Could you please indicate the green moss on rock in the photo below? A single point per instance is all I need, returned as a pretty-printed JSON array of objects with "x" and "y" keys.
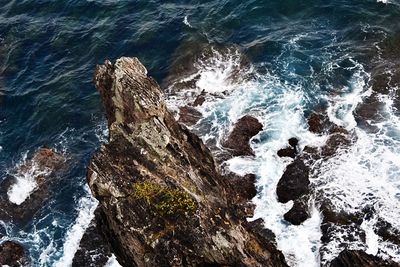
[{"x": 163, "y": 200}]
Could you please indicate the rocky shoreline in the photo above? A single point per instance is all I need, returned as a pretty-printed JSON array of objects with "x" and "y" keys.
[
  {"x": 166, "y": 200},
  {"x": 163, "y": 198}
]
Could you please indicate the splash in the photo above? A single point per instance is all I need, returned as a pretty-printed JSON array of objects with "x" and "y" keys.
[
  {"x": 86, "y": 206},
  {"x": 25, "y": 180}
]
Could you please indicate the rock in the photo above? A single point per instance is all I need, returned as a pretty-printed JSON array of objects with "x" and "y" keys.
[
  {"x": 44, "y": 167},
  {"x": 293, "y": 142},
  {"x": 387, "y": 232},
  {"x": 199, "y": 100},
  {"x": 317, "y": 123},
  {"x": 287, "y": 152},
  {"x": 334, "y": 142},
  {"x": 245, "y": 185},
  {"x": 164, "y": 200},
  {"x": 12, "y": 254},
  {"x": 298, "y": 213},
  {"x": 358, "y": 258},
  {"x": 189, "y": 115},
  {"x": 294, "y": 182},
  {"x": 243, "y": 130},
  {"x": 195, "y": 56},
  {"x": 94, "y": 249}
]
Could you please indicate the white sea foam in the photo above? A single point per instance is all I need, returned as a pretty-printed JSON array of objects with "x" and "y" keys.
[
  {"x": 366, "y": 173},
  {"x": 112, "y": 262},
  {"x": 25, "y": 180},
  {"x": 86, "y": 206},
  {"x": 186, "y": 22}
]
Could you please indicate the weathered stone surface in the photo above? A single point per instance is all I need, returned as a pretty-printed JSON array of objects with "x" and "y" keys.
[
  {"x": 164, "y": 200},
  {"x": 94, "y": 248},
  {"x": 358, "y": 258},
  {"x": 238, "y": 139},
  {"x": 294, "y": 182},
  {"x": 298, "y": 213},
  {"x": 12, "y": 254},
  {"x": 189, "y": 115},
  {"x": 43, "y": 167},
  {"x": 199, "y": 100}
]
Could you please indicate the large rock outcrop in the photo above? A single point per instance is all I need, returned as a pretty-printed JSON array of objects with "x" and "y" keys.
[{"x": 162, "y": 197}]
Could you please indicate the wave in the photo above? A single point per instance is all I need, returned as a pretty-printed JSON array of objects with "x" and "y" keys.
[
  {"x": 365, "y": 174},
  {"x": 86, "y": 206}
]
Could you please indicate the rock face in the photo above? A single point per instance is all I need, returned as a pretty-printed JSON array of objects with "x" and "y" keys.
[
  {"x": 358, "y": 258},
  {"x": 94, "y": 249},
  {"x": 43, "y": 167},
  {"x": 243, "y": 130},
  {"x": 163, "y": 198},
  {"x": 12, "y": 254}
]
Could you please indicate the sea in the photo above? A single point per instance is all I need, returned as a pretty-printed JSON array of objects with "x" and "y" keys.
[{"x": 300, "y": 57}]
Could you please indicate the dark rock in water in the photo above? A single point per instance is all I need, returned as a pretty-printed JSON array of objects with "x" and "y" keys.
[
  {"x": 191, "y": 57},
  {"x": 243, "y": 130},
  {"x": 370, "y": 111},
  {"x": 358, "y": 258},
  {"x": 293, "y": 142},
  {"x": 94, "y": 249},
  {"x": 387, "y": 232},
  {"x": 334, "y": 142},
  {"x": 317, "y": 123},
  {"x": 298, "y": 213},
  {"x": 245, "y": 185},
  {"x": 287, "y": 152},
  {"x": 189, "y": 115},
  {"x": 199, "y": 100},
  {"x": 43, "y": 167},
  {"x": 330, "y": 215},
  {"x": 259, "y": 228},
  {"x": 12, "y": 254},
  {"x": 339, "y": 223},
  {"x": 164, "y": 200},
  {"x": 294, "y": 182}
]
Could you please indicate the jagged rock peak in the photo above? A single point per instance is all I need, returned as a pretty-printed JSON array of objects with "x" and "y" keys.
[{"x": 163, "y": 200}]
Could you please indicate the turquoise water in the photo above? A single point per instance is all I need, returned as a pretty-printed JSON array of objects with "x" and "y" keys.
[{"x": 301, "y": 53}]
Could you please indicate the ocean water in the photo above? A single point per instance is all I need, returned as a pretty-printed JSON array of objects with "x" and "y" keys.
[{"x": 299, "y": 56}]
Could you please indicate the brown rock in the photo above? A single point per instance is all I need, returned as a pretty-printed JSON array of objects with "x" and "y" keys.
[
  {"x": 12, "y": 254},
  {"x": 199, "y": 100},
  {"x": 243, "y": 130},
  {"x": 44, "y": 166},
  {"x": 358, "y": 258},
  {"x": 189, "y": 115},
  {"x": 164, "y": 200}
]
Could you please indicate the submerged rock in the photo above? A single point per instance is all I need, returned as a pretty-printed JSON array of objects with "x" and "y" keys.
[
  {"x": 41, "y": 170},
  {"x": 238, "y": 139},
  {"x": 164, "y": 200},
  {"x": 294, "y": 182},
  {"x": 12, "y": 254},
  {"x": 358, "y": 258}
]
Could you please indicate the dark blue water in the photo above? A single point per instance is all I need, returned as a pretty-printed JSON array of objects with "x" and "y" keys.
[{"x": 49, "y": 50}]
